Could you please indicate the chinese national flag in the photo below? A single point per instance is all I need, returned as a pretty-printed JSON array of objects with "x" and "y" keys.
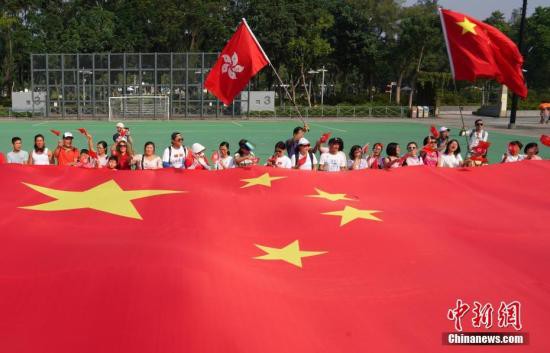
[
  {"x": 239, "y": 61},
  {"x": 266, "y": 260},
  {"x": 478, "y": 50}
]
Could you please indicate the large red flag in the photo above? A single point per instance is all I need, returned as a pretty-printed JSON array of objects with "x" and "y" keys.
[
  {"x": 270, "y": 260},
  {"x": 478, "y": 50},
  {"x": 239, "y": 61}
]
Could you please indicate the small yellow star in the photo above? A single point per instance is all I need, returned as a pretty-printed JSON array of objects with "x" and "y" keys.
[
  {"x": 350, "y": 214},
  {"x": 106, "y": 197},
  {"x": 263, "y": 180},
  {"x": 467, "y": 26},
  {"x": 290, "y": 253},
  {"x": 331, "y": 197}
]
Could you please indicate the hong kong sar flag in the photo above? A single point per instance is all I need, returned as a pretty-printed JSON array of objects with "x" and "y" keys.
[{"x": 239, "y": 61}]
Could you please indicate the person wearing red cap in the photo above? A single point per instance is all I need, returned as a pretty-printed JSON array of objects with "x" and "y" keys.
[{"x": 65, "y": 153}]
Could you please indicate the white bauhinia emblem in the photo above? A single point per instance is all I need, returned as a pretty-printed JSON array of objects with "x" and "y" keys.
[{"x": 231, "y": 66}]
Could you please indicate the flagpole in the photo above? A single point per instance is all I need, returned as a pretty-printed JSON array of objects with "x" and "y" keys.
[
  {"x": 453, "y": 73},
  {"x": 281, "y": 83},
  {"x": 515, "y": 98}
]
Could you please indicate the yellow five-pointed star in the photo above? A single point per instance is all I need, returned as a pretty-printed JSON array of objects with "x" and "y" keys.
[
  {"x": 467, "y": 26},
  {"x": 264, "y": 180},
  {"x": 331, "y": 197},
  {"x": 290, "y": 253},
  {"x": 107, "y": 197},
  {"x": 350, "y": 214}
]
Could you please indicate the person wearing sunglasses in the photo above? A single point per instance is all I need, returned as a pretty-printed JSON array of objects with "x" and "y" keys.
[
  {"x": 430, "y": 153},
  {"x": 413, "y": 159},
  {"x": 122, "y": 151},
  {"x": 177, "y": 155},
  {"x": 393, "y": 160},
  {"x": 304, "y": 159},
  {"x": 475, "y": 135},
  {"x": 279, "y": 158}
]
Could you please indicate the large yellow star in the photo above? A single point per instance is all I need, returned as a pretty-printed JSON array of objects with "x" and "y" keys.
[
  {"x": 331, "y": 197},
  {"x": 290, "y": 253},
  {"x": 350, "y": 214},
  {"x": 106, "y": 197},
  {"x": 467, "y": 26},
  {"x": 263, "y": 180}
]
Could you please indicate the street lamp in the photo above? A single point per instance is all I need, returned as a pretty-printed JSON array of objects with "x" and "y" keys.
[
  {"x": 322, "y": 71},
  {"x": 84, "y": 72}
]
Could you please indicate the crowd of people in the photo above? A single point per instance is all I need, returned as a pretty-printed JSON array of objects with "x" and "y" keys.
[{"x": 325, "y": 154}]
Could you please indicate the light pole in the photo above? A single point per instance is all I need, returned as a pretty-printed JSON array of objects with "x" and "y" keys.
[
  {"x": 311, "y": 72},
  {"x": 512, "y": 123},
  {"x": 84, "y": 73},
  {"x": 322, "y": 71}
]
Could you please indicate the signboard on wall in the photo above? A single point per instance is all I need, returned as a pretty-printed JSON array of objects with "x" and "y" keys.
[{"x": 260, "y": 101}]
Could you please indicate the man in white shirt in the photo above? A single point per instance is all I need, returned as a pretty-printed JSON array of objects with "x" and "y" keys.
[
  {"x": 476, "y": 135},
  {"x": 176, "y": 154},
  {"x": 17, "y": 156},
  {"x": 334, "y": 160}
]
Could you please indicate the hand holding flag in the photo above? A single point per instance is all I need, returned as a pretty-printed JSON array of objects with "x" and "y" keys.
[{"x": 55, "y": 132}]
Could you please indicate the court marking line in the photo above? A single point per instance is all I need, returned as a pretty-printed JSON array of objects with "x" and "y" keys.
[
  {"x": 236, "y": 123},
  {"x": 327, "y": 127},
  {"x": 42, "y": 123}
]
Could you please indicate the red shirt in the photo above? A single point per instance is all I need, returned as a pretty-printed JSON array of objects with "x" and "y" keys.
[
  {"x": 67, "y": 156},
  {"x": 2, "y": 159},
  {"x": 123, "y": 161}
]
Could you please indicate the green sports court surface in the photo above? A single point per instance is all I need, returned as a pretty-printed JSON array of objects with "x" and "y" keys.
[{"x": 264, "y": 134}]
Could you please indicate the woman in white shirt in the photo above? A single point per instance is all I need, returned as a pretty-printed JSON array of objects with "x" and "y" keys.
[
  {"x": 413, "y": 159},
  {"x": 40, "y": 154},
  {"x": 224, "y": 161},
  {"x": 513, "y": 153},
  {"x": 451, "y": 158},
  {"x": 147, "y": 160},
  {"x": 356, "y": 160},
  {"x": 101, "y": 152},
  {"x": 279, "y": 158},
  {"x": 304, "y": 159},
  {"x": 334, "y": 160}
]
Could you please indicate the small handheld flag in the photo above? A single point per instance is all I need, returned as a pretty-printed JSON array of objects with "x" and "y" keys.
[
  {"x": 82, "y": 131},
  {"x": 324, "y": 138},
  {"x": 434, "y": 132},
  {"x": 55, "y": 132},
  {"x": 545, "y": 140}
]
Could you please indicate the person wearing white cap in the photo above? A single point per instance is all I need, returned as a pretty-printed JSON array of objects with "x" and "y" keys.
[
  {"x": 279, "y": 159},
  {"x": 304, "y": 159},
  {"x": 443, "y": 138},
  {"x": 199, "y": 158},
  {"x": 122, "y": 132},
  {"x": 66, "y": 153}
]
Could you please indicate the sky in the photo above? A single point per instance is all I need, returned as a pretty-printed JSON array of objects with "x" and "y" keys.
[{"x": 481, "y": 9}]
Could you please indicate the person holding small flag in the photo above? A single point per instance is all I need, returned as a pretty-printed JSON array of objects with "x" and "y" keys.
[
  {"x": 279, "y": 159},
  {"x": 304, "y": 158},
  {"x": 475, "y": 135},
  {"x": 65, "y": 153},
  {"x": 245, "y": 156},
  {"x": 222, "y": 158},
  {"x": 176, "y": 155}
]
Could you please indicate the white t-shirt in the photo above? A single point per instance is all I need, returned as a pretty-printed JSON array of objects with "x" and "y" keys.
[
  {"x": 474, "y": 137},
  {"x": 154, "y": 163},
  {"x": 450, "y": 160},
  {"x": 227, "y": 163},
  {"x": 177, "y": 157},
  {"x": 246, "y": 162},
  {"x": 333, "y": 161},
  {"x": 509, "y": 158},
  {"x": 307, "y": 164},
  {"x": 102, "y": 160},
  {"x": 20, "y": 157},
  {"x": 362, "y": 164},
  {"x": 283, "y": 162},
  {"x": 412, "y": 161}
]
